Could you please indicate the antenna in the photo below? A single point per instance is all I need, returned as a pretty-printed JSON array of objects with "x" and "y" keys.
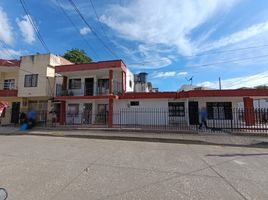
[{"x": 190, "y": 80}]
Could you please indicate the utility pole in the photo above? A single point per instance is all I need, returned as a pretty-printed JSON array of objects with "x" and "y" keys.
[{"x": 220, "y": 83}]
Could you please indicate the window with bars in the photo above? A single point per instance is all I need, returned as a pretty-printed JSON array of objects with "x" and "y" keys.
[
  {"x": 75, "y": 83},
  {"x": 219, "y": 110},
  {"x": 134, "y": 103},
  {"x": 9, "y": 84},
  {"x": 176, "y": 109},
  {"x": 73, "y": 109},
  {"x": 31, "y": 80}
]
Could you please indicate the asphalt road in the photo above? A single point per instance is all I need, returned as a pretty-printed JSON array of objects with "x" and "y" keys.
[{"x": 38, "y": 167}]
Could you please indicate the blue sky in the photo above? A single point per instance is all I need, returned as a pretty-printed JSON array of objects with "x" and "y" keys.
[{"x": 171, "y": 40}]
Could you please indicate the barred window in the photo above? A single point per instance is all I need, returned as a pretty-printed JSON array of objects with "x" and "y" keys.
[
  {"x": 134, "y": 103},
  {"x": 75, "y": 83},
  {"x": 176, "y": 109},
  {"x": 73, "y": 109},
  {"x": 219, "y": 110}
]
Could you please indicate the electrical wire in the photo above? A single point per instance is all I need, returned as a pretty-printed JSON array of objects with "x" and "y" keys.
[
  {"x": 76, "y": 28},
  {"x": 28, "y": 15},
  {"x": 92, "y": 30}
]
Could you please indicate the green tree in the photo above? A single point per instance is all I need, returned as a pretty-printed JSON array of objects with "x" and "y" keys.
[{"x": 77, "y": 56}]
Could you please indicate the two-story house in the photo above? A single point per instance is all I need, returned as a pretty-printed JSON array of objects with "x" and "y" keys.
[
  {"x": 28, "y": 84},
  {"x": 86, "y": 92},
  {"x": 9, "y": 91}
]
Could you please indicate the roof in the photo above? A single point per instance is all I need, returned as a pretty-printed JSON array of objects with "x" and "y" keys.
[
  {"x": 92, "y": 66},
  {"x": 9, "y": 63},
  {"x": 197, "y": 93}
]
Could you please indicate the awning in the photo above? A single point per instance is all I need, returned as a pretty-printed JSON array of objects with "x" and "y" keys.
[{"x": 3, "y": 106}]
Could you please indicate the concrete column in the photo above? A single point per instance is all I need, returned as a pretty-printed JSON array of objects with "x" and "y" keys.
[
  {"x": 249, "y": 111},
  {"x": 110, "y": 116},
  {"x": 123, "y": 82},
  {"x": 110, "y": 81}
]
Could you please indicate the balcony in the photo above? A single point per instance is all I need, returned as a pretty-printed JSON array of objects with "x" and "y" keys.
[
  {"x": 8, "y": 90},
  {"x": 89, "y": 90}
]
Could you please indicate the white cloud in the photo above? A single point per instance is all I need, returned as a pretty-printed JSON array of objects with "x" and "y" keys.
[
  {"x": 164, "y": 74},
  {"x": 6, "y": 29},
  {"x": 168, "y": 74},
  {"x": 85, "y": 31},
  {"x": 162, "y": 23},
  {"x": 182, "y": 73},
  {"x": 239, "y": 36},
  {"x": 9, "y": 53},
  {"x": 26, "y": 29},
  {"x": 245, "y": 81}
]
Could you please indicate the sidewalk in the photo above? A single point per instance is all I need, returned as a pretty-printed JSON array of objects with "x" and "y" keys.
[{"x": 137, "y": 135}]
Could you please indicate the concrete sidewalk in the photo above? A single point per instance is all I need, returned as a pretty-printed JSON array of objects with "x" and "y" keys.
[{"x": 149, "y": 136}]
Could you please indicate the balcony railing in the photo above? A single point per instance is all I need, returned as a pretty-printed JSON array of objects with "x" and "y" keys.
[
  {"x": 83, "y": 90},
  {"x": 8, "y": 90},
  {"x": 8, "y": 86}
]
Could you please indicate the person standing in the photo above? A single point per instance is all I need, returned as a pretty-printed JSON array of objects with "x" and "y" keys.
[{"x": 203, "y": 117}]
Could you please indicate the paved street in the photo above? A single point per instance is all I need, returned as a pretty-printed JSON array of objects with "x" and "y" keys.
[{"x": 39, "y": 167}]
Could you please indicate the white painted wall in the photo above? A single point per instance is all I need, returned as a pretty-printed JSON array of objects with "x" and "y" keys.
[
  {"x": 129, "y": 77},
  {"x": 149, "y": 112}
]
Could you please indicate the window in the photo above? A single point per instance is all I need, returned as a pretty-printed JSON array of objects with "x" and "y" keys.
[
  {"x": 75, "y": 83},
  {"x": 31, "y": 80},
  {"x": 9, "y": 84},
  {"x": 73, "y": 109},
  {"x": 130, "y": 83},
  {"x": 219, "y": 110},
  {"x": 134, "y": 103},
  {"x": 176, "y": 109},
  {"x": 103, "y": 83}
]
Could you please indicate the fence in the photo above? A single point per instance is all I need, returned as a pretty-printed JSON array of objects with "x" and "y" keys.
[
  {"x": 223, "y": 119},
  {"x": 231, "y": 120}
]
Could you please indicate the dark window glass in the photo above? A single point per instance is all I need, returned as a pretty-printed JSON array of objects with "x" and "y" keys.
[
  {"x": 73, "y": 109},
  {"x": 219, "y": 110},
  {"x": 134, "y": 103},
  {"x": 103, "y": 83},
  {"x": 75, "y": 83},
  {"x": 130, "y": 83},
  {"x": 31, "y": 80},
  {"x": 176, "y": 109}
]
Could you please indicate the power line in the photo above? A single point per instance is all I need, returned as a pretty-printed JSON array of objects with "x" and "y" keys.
[
  {"x": 229, "y": 61},
  {"x": 92, "y": 30},
  {"x": 28, "y": 15},
  {"x": 207, "y": 53},
  {"x": 98, "y": 18},
  {"x": 76, "y": 28}
]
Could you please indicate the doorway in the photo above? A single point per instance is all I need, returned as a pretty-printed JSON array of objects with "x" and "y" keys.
[
  {"x": 15, "y": 112},
  {"x": 89, "y": 86},
  {"x": 87, "y": 113},
  {"x": 193, "y": 113}
]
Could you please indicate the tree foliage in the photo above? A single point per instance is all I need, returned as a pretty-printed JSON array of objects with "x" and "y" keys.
[{"x": 77, "y": 56}]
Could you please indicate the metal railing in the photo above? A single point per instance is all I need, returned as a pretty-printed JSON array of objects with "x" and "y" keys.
[
  {"x": 236, "y": 121},
  {"x": 8, "y": 86},
  {"x": 83, "y": 90},
  {"x": 231, "y": 120}
]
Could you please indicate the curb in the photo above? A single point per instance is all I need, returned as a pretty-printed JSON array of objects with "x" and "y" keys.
[{"x": 150, "y": 139}]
